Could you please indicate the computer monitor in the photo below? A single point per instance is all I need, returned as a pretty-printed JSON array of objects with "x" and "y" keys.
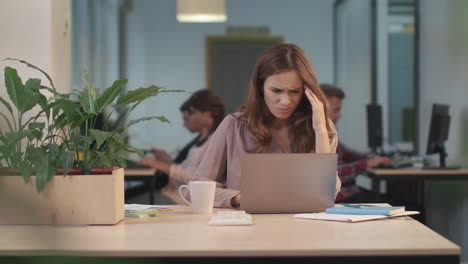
[
  {"x": 374, "y": 127},
  {"x": 438, "y": 132}
]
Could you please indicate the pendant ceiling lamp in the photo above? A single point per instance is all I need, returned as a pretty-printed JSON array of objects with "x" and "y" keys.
[{"x": 201, "y": 11}]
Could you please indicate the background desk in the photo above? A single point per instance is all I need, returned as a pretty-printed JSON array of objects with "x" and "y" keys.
[
  {"x": 178, "y": 235},
  {"x": 418, "y": 176},
  {"x": 146, "y": 175},
  {"x": 129, "y": 172}
]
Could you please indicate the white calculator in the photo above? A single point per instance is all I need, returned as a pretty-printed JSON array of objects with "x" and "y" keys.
[{"x": 234, "y": 218}]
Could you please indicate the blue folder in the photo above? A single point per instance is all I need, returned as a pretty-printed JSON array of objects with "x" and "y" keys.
[{"x": 365, "y": 210}]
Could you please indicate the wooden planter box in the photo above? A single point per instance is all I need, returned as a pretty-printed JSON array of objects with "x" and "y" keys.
[{"x": 69, "y": 200}]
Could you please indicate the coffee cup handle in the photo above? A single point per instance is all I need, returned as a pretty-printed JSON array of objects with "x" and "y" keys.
[{"x": 182, "y": 196}]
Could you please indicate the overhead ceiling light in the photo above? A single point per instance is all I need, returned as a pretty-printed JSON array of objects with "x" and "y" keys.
[{"x": 201, "y": 11}]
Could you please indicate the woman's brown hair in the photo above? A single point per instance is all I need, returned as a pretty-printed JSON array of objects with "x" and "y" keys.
[{"x": 257, "y": 116}]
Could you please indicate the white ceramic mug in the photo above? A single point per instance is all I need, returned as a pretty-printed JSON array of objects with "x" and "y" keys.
[{"x": 202, "y": 195}]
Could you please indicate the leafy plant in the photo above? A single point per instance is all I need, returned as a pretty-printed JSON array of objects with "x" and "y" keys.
[{"x": 62, "y": 133}]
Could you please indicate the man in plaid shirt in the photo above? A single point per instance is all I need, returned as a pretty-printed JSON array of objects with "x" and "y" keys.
[{"x": 350, "y": 162}]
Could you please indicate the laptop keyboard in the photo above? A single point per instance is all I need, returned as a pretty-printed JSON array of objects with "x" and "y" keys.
[{"x": 397, "y": 163}]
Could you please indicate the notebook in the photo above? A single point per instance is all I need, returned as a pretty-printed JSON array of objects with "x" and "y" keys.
[
  {"x": 288, "y": 183},
  {"x": 364, "y": 209}
]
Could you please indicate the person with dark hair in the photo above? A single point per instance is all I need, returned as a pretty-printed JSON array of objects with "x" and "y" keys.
[
  {"x": 285, "y": 113},
  {"x": 350, "y": 162},
  {"x": 202, "y": 113}
]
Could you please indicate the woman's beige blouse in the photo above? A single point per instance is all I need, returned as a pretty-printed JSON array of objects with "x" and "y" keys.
[{"x": 223, "y": 158}]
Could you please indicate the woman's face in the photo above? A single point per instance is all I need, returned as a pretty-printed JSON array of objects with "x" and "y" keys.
[
  {"x": 197, "y": 120},
  {"x": 283, "y": 92},
  {"x": 189, "y": 122},
  {"x": 201, "y": 119}
]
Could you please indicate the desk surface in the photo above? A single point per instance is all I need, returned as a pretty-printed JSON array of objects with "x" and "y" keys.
[
  {"x": 417, "y": 172},
  {"x": 132, "y": 172},
  {"x": 179, "y": 233}
]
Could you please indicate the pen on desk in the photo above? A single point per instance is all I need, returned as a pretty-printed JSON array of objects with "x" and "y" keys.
[
  {"x": 358, "y": 205},
  {"x": 351, "y": 205}
]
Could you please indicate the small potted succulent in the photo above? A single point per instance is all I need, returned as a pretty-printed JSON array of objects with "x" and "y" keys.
[{"x": 49, "y": 135}]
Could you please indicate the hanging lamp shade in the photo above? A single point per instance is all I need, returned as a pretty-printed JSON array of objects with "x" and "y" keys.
[{"x": 201, "y": 11}]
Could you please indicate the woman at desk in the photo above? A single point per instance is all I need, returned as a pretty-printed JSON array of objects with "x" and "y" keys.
[
  {"x": 202, "y": 112},
  {"x": 284, "y": 113}
]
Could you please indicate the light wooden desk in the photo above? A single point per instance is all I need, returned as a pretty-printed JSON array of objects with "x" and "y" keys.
[
  {"x": 417, "y": 175},
  {"x": 178, "y": 235}
]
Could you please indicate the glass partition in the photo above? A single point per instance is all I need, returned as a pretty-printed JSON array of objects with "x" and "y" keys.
[{"x": 376, "y": 62}]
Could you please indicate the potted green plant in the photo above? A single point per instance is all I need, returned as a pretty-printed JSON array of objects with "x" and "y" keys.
[{"x": 60, "y": 138}]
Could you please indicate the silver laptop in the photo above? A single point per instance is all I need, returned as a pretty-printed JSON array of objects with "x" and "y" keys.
[{"x": 288, "y": 183}]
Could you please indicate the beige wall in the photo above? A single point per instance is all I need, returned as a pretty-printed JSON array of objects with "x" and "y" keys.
[
  {"x": 38, "y": 32},
  {"x": 61, "y": 44}
]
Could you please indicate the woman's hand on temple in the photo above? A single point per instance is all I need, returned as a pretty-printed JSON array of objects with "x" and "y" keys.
[
  {"x": 322, "y": 142},
  {"x": 318, "y": 112}
]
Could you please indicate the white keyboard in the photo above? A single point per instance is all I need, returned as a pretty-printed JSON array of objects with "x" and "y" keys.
[{"x": 235, "y": 218}]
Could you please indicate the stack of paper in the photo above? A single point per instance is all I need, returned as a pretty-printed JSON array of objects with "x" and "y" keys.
[
  {"x": 357, "y": 213},
  {"x": 143, "y": 213},
  {"x": 349, "y": 218},
  {"x": 143, "y": 210}
]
